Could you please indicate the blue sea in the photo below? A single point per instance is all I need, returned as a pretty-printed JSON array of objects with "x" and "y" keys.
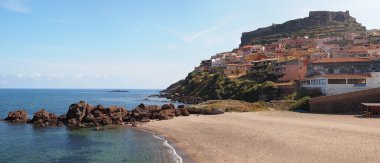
[{"x": 25, "y": 143}]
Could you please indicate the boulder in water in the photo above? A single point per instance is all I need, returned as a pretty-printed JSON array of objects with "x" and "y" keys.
[{"x": 19, "y": 116}]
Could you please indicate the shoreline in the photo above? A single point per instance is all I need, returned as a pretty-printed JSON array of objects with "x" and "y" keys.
[
  {"x": 180, "y": 152},
  {"x": 189, "y": 153}
]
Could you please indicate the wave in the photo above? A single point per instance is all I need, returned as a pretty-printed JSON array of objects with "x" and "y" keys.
[{"x": 174, "y": 155}]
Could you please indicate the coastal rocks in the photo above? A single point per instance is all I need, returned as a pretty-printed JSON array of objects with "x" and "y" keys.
[
  {"x": 143, "y": 113},
  {"x": 43, "y": 118},
  {"x": 82, "y": 114},
  {"x": 181, "y": 98},
  {"x": 183, "y": 111},
  {"x": 140, "y": 112},
  {"x": 19, "y": 116},
  {"x": 78, "y": 110}
]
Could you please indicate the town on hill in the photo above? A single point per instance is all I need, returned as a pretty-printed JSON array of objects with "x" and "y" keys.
[{"x": 328, "y": 52}]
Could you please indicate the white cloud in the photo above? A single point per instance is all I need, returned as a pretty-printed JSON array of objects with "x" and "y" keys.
[
  {"x": 199, "y": 34},
  {"x": 192, "y": 36},
  {"x": 14, "y": 5},
  {"x": 35, "y": 76}
]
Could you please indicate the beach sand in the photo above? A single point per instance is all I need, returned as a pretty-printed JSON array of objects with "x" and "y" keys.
[{"x": 273, "y": 136}]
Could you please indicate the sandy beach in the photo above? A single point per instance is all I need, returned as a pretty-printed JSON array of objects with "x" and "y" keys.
[{"x": 273, "y": 136}]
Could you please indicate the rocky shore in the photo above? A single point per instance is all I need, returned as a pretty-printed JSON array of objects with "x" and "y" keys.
[
  {"x": 181, "y": 98},
  {"x": 82, "y": 114}
]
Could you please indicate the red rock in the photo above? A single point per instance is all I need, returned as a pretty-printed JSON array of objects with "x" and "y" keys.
[{"x": 19, "y": 116}]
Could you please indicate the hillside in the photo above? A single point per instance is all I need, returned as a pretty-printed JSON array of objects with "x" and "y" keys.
[
  {"x": 318, "y": 24},
  {"x": 217, "y": 87}
]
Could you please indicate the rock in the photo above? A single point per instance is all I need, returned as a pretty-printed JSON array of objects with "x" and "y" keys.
[
  {"x": 177, "y": 112},
  {"x": 62, "y": 119},
  {"x": 318, "y": 23},
  {"x": 166, "y": 114},
  {"x": 81, "y": 112},
  {"x": 19, "y": 116},
  {"x": 181, "y": 106},
  {"x": 78, "y": 110},
  {"x": 184, "y": 111},
  {"x": 43, "y": 118},
  {"x": 195, "y": 110},
  {"x": 140, "y": 112},
  {"x": 73, "y": 122},
  {"x": 134, "y": 124},
  {"x": 168, "y": 106},
  {"x": 153, "y": 108},
  {"x": 106, "y": 121},
  {"x": 214, "y": 111}
]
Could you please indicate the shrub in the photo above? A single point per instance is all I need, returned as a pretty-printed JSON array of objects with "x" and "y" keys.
[{"x": 301, "y": 104}]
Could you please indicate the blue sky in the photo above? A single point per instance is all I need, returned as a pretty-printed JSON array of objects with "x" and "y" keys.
[{"x": 135, "y": 44}]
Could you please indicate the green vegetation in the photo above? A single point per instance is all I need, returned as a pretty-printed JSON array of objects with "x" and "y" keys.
[
  {"x": 301, "y": 104},
  {"x": 228, "y": 106},
  {"x": 301, "y": 98},
  {"x": 218, "y": 87}
]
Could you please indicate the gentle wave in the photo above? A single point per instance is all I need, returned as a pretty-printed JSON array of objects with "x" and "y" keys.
[{"x": 176, "y": 157}]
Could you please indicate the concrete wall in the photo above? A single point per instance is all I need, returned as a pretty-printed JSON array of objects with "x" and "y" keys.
[{"x": 344, "y": 103}]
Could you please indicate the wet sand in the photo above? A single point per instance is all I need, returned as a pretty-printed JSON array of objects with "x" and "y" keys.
[{"x": 273, "y": 136}]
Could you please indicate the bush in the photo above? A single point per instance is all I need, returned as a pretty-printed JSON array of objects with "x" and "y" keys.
[
  {"x": 301, "y": 104},
  {"x": 303, "y": 92}
]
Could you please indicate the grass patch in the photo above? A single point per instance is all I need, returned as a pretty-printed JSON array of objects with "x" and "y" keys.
[{"x": 228, "y": 106}]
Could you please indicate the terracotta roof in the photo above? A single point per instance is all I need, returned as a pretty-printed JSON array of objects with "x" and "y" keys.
[
  {"x": 338, "y": 60},
  {"x": 248, "y": 46}
]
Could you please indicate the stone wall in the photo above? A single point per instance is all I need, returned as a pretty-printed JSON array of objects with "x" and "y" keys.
[
  {"x": 330, "y": 16},
  {"x": 344, "y": 103}
]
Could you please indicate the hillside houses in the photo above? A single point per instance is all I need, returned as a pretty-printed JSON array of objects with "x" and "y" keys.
[{"x": 303, "y": 60}]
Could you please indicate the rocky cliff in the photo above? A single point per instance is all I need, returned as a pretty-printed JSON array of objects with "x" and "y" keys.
[{"x": 318, "y": 24}]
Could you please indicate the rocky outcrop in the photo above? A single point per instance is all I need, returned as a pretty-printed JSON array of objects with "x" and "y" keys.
[
  {"x": 19, "y": 116},
  {"x": 43, "y": 118},
  {"x": 318, "y": 24},
  {"x": 183, "y": 111},
  {"x": 82, "y": 114}
]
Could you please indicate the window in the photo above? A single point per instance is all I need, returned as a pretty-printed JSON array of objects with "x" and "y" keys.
[
  {"x": 305, "y": 82},
  {"x": 337, "y": 81},
  {"x": 356, "y": 81},
  {"x": 322, "y": 81},
  {"x": 314, "y": 82}
]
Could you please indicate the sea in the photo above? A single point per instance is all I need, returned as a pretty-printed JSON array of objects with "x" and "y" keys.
[{"x": 23, "y": 143}]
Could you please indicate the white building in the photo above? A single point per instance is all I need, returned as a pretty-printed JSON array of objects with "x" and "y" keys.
[
  {"x": 333, "y": 84},
  {"x": 219, "y": 62}
]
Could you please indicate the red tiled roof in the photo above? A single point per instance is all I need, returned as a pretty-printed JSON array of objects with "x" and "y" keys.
[
  {"x": 247, "y": 46},
  {"x": 337, "y": 60}
]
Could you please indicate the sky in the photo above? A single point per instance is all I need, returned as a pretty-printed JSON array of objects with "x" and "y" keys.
[{"x": 144, "y": 44}]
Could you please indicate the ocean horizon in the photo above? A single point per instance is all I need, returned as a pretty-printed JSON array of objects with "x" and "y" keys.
[{"x": 26, "y": 143}]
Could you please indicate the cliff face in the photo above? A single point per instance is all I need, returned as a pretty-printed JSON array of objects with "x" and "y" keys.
[{"x": 318, "y": 24}]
